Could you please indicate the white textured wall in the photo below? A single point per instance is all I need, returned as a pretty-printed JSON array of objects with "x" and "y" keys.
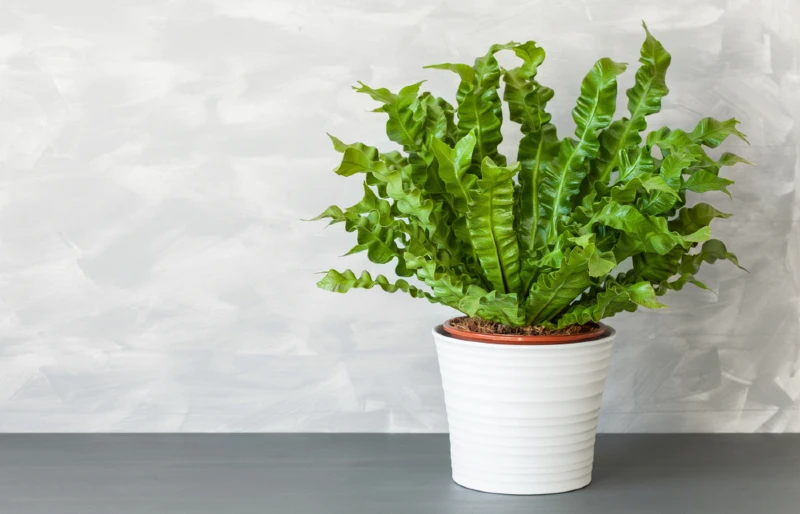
[{"x": 157, "y": 156}]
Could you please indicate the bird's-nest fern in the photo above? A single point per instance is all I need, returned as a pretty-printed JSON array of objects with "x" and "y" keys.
[{"x": 536, "y": 242}]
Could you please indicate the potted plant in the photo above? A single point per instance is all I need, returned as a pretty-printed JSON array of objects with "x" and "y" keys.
[{"x": 534, "y": 253}]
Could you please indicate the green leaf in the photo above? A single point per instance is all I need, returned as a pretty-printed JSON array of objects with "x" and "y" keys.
[
  {"x": 333, "y": 212},
  {"x": 553, "y": 291},
  {"x": 337, "y": 282},
  {"x": 678, "y": 284},
  {"x": 479, "y": 106},
  {"x": 656, "y": 268},
  {"x": 453, "y": 166},
  {"x": 370, "y": 204},
  {"x": 436, "y": 125},
  {"x": 658, "y": 184},
  {"x": 491, "y": 226},
  {"x": 487, "y": 70},
  {"x": 491, "y": 305},
  {"x": 644, "y": 98},
  {"x": 465, "y": 71},
  {"x": 699, "y": 236},
  {"x": 611, "y": 301},
  {"x": 527, "y": 99},
  {"x": 670, "y": 172},
  {"x": 535, "y": 149},
  {"x": 409, "y": 200},
  {"x": 521, "y": 86},
  {"x": 673, "y": 167},
  {"x": 376, "y": 240},
  {"x": 692, "y": 219},
  {"x": 593, "y": 111},
  {"x": 649, "y": 233},
  {"x": 403, "y": 127},
  {"x": 601, "y": 263},
  {"x": 376, "y": 228},
  {"x": 712, "y": 251},
  {"x": 626, "y": 192},
  {"x": 731, "y": 159},
  {"x": 482, "y": 114},
  {"x": 711, "y": 132},
  {"x": 678, "y": 141},
  {"x": 356, "y": 160},
  {"x": 702, "y": 181},
  {"x": 338, "y": 145},
  {"x": 447, "y": 284},
  {"x": 394, "y": 160},
  {"x": 636, "y": 163},
  {"x": 584, "y": 240},
  {"x": 658, "y": 138},
  {"x": 532, "y": 55}
]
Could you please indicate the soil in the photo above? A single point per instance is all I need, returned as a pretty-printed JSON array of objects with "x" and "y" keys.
[{"x": 481, "y": 326}]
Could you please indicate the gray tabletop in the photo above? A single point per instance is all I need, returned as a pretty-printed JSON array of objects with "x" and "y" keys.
[{"x": 380, "y": 473}]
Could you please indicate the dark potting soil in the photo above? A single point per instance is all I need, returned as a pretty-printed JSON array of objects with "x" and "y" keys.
[{"x": 482, "y": 326}]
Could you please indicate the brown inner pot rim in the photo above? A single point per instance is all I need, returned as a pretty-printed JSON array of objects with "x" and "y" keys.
[{"x": 476, "y": 337}]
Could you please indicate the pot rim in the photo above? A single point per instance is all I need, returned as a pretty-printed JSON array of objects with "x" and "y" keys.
[{"x": 525, "y": 340}]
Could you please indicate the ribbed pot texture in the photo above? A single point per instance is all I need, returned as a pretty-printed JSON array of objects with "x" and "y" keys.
[{"x": 523, "y": 418}]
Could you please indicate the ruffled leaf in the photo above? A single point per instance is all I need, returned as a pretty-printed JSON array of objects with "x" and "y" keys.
[
  {"x": 536, "y": 150},
  {"x": 553, "y": 291},
  {"x": 656, "y": 268},
  {"x": 626, "y": 192},
  {"x": 711, "y": 132},
  {"x": 644, "y": 98},
  {"x": 491, "y": 226},
  {"x": 712, "y": 251},
  {"x": 601, "y": 263},
  {"x": 404, "y": 126},
  {"x": 593, "y": 111},
  {"x": 649, "y": 233},
  {"x": 731, "y": 159},
  {"x": 702, "y": 181},
  {"x": 615, "y": 299},
  {"x": 527, "y": 100},
  {"x": 453, "y": 166},
  {"x": 334, "y": 212},
  {"x": 636, "y": 163},
  {"x": 337, "y": 282},
  {"x": 520, "y": 87},
  {"x": 359, "y": 159},
  {"x": 692, "y": 219},
  {"x": 491, "y": 305},
  {"x": 479, "y": 106}
]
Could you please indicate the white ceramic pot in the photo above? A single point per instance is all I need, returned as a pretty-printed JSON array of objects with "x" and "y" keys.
[{"x": 523, "y": 418}]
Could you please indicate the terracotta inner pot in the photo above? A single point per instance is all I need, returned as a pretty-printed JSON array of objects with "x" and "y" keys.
[{"x": 466, "y": 335}]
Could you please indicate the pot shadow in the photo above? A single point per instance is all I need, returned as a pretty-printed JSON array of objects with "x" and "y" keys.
[{"x": 650, "y": 459}]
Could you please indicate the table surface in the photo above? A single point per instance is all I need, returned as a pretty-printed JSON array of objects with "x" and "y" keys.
[{"x": 380, "y": 474}]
